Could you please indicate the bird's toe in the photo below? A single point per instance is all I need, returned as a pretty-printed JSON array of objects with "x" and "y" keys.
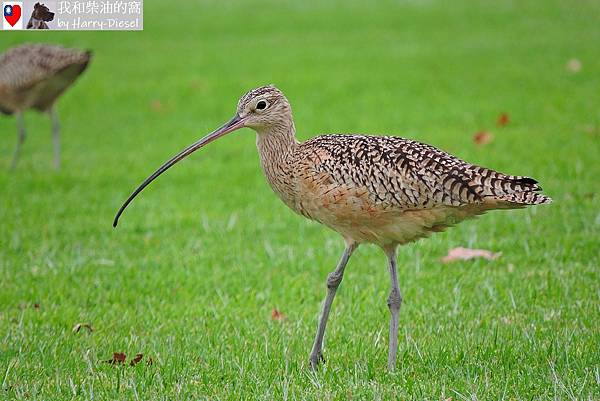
[{"x": 316, "y": 359}]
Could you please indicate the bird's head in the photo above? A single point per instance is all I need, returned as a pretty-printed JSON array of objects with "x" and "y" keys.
[{"x": 262, "y": 109}]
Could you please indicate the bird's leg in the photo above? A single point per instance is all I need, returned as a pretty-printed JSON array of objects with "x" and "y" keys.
[
  {"x": 55, "y": 136},
  {"x": 20, "y": 138},
  {"x": 333, "y": 281},
  {"x": 394, "y": 301}
]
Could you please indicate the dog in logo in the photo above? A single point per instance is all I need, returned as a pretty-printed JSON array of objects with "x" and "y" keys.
[{"x": 40, "y": 15}]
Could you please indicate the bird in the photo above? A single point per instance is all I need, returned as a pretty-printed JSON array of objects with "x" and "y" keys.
[
  {"x": 33, "y": 76},
  {"x": 383, "y": 190}
]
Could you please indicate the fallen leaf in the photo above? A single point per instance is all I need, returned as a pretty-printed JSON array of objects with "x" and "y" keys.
[
  {"x": 136, "y": 359},
  {"x": 36, "y": 305},
  {"x": 117, "y": 359},
  {"x": 80, "y": 326},
  {"x": 157, "y": 106},
  {"x": 466, "y": 254},
  {"x": 483, "y": 138},
  {"x": 573, "y": 65},
  {"x": 502, "y": 120},
  {"x": 277, "y": 315}
]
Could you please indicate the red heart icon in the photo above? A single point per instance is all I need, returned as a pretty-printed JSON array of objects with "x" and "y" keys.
[{"x": 16, "y": 15}]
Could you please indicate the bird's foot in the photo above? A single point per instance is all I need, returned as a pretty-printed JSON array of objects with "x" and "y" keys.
[{"x": 315, "y": 359}]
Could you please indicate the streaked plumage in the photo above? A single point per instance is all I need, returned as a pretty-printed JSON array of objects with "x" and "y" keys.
[
  {"x": 383, "y": 190},
  {"x": 33, "y": 76}
]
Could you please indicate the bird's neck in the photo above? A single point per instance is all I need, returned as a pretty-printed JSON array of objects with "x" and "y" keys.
[
  {"x": 276, "y": 146},
  {"x": 277, "y": 141}
]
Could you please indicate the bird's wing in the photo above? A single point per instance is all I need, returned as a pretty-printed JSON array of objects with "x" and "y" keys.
[
  {"x": 26, "y": 66},
  {"x": 403, "y": 174}
]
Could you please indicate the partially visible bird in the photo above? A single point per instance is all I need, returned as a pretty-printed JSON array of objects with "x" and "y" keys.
[
  {"x": 383, "y": 190},
  {"x": 33, "y": 76}
]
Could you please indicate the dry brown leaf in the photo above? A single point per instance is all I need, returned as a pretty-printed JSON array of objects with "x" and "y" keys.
[
  {"x": 503, "y": 119},
  {"x": 483, "y": 138},
  {"x": 136, "y": 359},
  {"x": 157, "y": 106},
  {"x": 117, "y": 359},
  {"x": 77, "y": 328},
  {"x": 466, "y": 254},
  {"x": 573, "y": 65},
  {"x": 26, "y": 305},
  {"x": 277, "y": 315}
]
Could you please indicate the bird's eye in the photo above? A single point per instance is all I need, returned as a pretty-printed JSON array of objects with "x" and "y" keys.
[{"x": 261, "y": 105}]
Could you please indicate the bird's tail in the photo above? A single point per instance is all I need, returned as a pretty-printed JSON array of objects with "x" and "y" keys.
[
  {"x": 526, "y": 198},
  {"x": 508, "y": 191}
]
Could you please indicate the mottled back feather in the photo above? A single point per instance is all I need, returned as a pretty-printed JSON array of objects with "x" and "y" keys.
[{"x": 407, "y": 174}]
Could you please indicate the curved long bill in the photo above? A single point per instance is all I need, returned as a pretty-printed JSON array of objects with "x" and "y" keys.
[{"x": 232, "y": 125}]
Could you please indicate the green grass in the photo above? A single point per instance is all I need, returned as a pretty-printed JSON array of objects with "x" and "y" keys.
[{"x": 198, "y": 263}]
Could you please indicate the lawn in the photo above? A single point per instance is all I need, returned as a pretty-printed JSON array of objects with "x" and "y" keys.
[{"x": 200, "y": 261}]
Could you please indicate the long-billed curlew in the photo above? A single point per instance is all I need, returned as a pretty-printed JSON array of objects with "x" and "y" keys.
[
  {"x": 382, "y": 190},
  {"x": 33, "y": 76}
]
